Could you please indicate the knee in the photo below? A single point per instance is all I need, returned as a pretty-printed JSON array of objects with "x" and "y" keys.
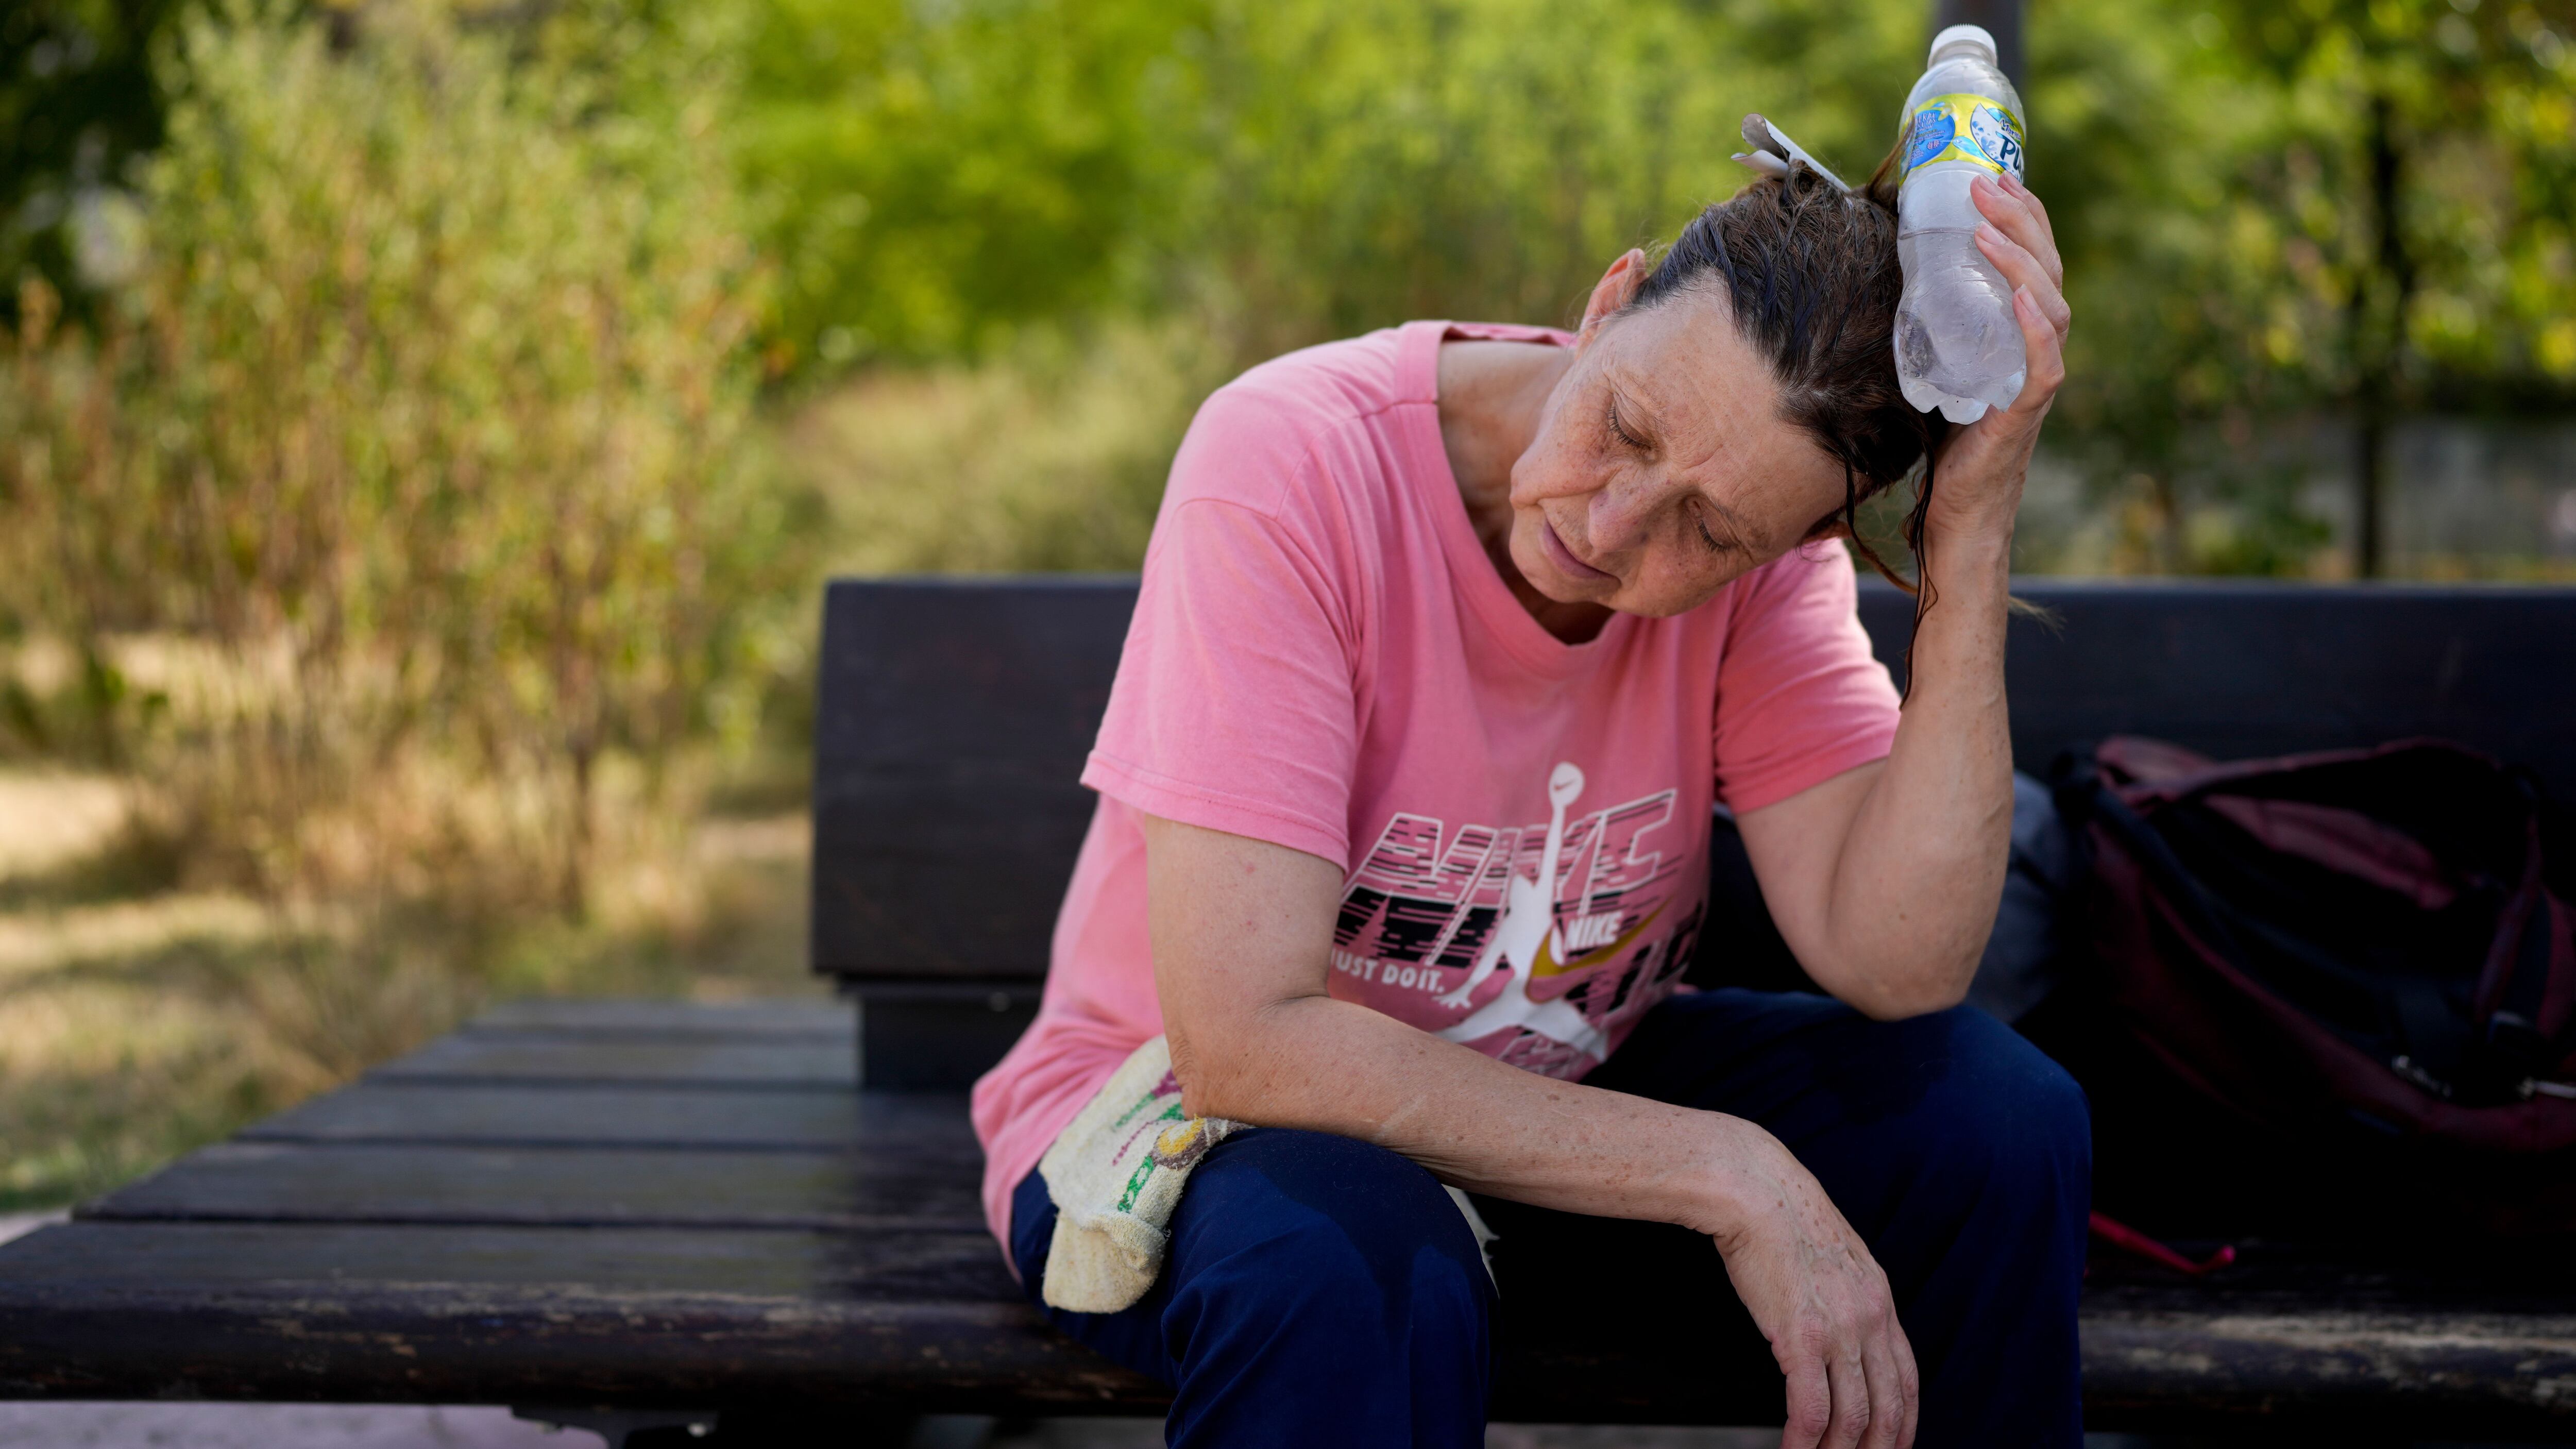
[
  {"x": 2009, "y": 1116},
  {"x": 1332, "y": 1232}
]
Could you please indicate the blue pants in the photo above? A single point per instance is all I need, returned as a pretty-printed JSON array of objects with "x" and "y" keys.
[{"x": 1320, "y": 1290}]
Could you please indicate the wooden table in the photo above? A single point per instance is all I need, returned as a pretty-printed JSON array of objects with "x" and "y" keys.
[{"x": 695, "y": 1213}]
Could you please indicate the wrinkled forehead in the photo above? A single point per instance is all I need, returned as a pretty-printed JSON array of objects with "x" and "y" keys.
[{"x": 1707, "y": 393}]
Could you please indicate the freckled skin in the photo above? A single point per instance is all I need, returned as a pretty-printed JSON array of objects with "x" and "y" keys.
[
  {"x": 1653, "y": 449},
  {"x": 1714, "y": 456}
]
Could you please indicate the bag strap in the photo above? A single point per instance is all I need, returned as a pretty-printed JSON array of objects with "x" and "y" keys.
[
  {"x": 2515, "y": 983},
  {"x": 2180, "y": 787}
]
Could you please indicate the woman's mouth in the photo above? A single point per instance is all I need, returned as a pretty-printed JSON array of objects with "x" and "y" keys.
[{"x": 1564, "y": 559}]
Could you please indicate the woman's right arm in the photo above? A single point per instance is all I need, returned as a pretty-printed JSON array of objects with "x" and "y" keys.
[{"x": 1241, "y": 936}]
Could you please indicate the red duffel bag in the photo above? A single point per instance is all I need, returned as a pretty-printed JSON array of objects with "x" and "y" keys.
[{"x": 2358, "y": 945}]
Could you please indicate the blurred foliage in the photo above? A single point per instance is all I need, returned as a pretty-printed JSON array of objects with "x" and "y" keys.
[
  {"x": 2316, "y": 207},
  {"x": 1048, "y": 457},
  {"x": 939, "y": 172},
  {"x": 1488, "y": 158},
  {"x": 2462, "y": 111},
  {"x": 1285, "y": 172},
  {"x": 2269, "y": 211},
  {"x": 960, "y": 168},
  {"x": 411, "y": 474},
  {"x": 77, "y": 104}
]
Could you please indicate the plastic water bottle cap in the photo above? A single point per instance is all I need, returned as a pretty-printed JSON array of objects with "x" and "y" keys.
[{"x": 1975, "y": 36}]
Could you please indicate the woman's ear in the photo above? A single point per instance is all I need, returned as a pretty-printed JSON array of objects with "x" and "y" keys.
[{"x": 1617, "y": 287}]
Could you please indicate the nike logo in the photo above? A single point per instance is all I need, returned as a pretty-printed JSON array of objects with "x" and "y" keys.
[{"x": 1548, "y": 965}]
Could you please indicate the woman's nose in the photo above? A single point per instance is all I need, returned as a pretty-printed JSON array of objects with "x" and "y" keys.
[{"x": 1618, "y": 517}]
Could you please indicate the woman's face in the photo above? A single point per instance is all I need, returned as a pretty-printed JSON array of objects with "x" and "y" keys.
[{"x": 1662, "y": 468}]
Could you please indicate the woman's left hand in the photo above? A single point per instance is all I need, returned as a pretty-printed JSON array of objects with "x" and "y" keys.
[{"x": 1983, "y": 464}]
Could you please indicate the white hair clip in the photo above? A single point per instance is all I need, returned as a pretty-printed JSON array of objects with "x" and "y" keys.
[{"x": 1773, "y": 151}]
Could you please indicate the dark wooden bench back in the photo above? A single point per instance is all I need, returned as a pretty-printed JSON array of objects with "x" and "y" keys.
[{"x": 955, "y": 714}]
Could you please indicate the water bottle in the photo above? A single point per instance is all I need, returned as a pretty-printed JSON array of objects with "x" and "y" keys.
[{"x": 1958, "y": 346}]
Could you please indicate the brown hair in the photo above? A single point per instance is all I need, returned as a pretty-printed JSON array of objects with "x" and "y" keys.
[{"x": 1811, "y": 274}]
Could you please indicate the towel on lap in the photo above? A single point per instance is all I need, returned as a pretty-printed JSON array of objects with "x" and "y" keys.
[{"x": 1115, "y": 1174}]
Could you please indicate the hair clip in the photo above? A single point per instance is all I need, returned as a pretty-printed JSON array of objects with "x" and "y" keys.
[{"x": 1773, "y": 151}]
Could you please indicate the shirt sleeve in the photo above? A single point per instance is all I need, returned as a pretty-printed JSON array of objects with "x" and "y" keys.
[
  {"x": 1800, "y": 698},
  {"x": 1234, "y": 707}
]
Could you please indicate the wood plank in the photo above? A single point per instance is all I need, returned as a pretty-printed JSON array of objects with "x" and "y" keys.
[
  {"x": 224, "y": 1259},
  {"x": 496, "y": 1058},
  {"x": 288, "y": 1182},
  {"x": 501, "y": 1315},
  {"x": 2172, "y": 1362},
  {"x": 646, "y": 1020},
  {"x": 576, "y": 1115},
  {"x": 932, "y": 1321}
]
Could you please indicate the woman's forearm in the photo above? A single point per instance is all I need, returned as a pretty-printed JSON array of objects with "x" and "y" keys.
[
  {"x": 1475, "y": 1122},
  {"x": 1885, "y": 880},
  {"x": 1241, "y": 929},
  {"x": 1921, "y": 872}
]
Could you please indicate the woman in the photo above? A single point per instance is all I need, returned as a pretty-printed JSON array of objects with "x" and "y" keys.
[{"x": 1450, "y": 637}]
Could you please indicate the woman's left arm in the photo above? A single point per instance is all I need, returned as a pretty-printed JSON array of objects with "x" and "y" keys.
[{"x": 1884, "y": 880}]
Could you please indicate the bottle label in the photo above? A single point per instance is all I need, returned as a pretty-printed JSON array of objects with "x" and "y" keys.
[{"x": 1964, "y": 128}]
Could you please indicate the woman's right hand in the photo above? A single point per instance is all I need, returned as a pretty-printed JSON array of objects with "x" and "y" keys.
[{"x": 1817, "y": 1295}]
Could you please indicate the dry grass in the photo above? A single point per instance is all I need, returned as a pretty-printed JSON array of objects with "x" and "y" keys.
[{"x": 139, "y": 1019}]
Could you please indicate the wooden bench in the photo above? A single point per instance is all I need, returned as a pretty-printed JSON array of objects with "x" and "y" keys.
[{"x": 719, "y": 1223}]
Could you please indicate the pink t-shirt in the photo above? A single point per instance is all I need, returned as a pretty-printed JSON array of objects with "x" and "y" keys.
[{"x": 1324, "y": 657}]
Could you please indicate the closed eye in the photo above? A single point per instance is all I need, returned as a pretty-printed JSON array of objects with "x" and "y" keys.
[
  {"x": 1699, "y": 520},
  {"x": 1619, "y": 429}
]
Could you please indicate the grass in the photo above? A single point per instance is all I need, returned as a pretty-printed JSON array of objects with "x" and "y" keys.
[{"x": 140, "y": 1018}]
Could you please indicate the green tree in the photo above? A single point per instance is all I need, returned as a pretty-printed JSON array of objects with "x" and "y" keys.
[
  {"x": 1487, "y": 158},
  {"x": 2422, "y": 191},
  {"x": 2145, "y": 132},
  {"x": 937, "y": 173}
]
